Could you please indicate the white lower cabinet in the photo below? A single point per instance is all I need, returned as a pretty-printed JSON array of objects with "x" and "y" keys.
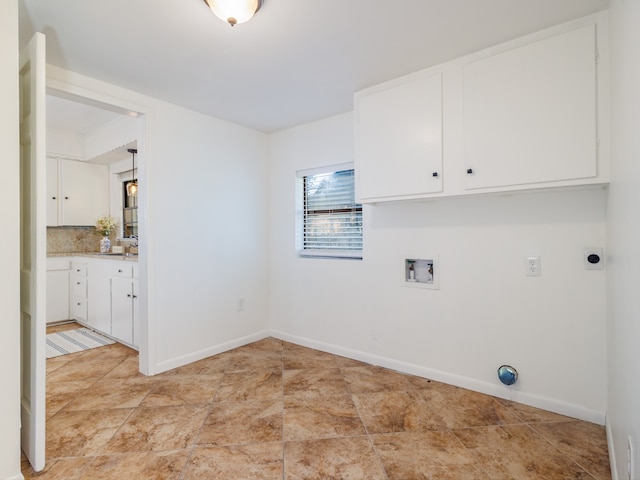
[
  {"x": 112, "y": 299},
  {"x": 99, "y": 311},
  {"x": 124, "y": 305},
  {"x": 58, "y": 277},
  {"x": 78, "y": 291}
]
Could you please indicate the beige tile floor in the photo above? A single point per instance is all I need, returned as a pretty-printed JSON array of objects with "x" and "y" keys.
[{"x": 275, "y": 410}]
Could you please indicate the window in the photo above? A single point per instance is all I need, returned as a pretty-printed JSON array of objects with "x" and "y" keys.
[
  {"x": 329, "y": 220},
  {"x": 129, "y": 211}
]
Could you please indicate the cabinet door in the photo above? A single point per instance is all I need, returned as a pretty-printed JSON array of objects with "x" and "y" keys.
[
  {"x": 78, "y": 291},
  {"x": 78, "y": 286},
  {"x": 399, "y": 140},
  {"x": 122, "y": 309},
  {"x": 79, "y": 309},
  {"x": 99, "y": 295},
  {"x": 136, "y": 315},
  {"x": 57, "y": 295},
  {"x": 530, "y": 113},
  {"x": 52, "y": 192},
  {"x": 84, "y": 192}
]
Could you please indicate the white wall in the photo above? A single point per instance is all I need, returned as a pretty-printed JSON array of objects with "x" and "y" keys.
[
  {"x": 203, "y": 224},
  {"x": 62, "y": 143},
  {"x": 623, "y": 231},
  {"x": 486, "y": 313},
  {"x": 9, "y": 260},
  {"x": 208, "y": 225},
  {"x": 99, "y": 141},
  {"x": 109, "y": 136}
]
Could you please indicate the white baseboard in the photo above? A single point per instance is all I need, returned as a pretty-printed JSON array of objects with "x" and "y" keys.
[
  {"x": 16, "y": 477},
  {"x": 612, "y": 453},
  {"x": 496, "y": 390},
  {"x": 207, "y": 352}
]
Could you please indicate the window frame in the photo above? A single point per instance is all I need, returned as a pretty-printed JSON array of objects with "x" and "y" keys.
[{"x": 300, "y": 216}]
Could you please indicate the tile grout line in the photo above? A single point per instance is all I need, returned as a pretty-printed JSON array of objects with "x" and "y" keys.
[
  {"x": 468, "y": 450},
  {"x": 210, "y": 405},
  {"x": 133, "y": 410},
  {"x": 364, "y": 425},
  {"x": 93, "y": 457},
  {"x": 518, "y": 415},
  {"x": 571, "y": 459}
]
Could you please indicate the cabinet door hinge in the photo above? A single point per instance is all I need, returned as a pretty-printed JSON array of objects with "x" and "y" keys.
[{"x": 597, "y": 57}]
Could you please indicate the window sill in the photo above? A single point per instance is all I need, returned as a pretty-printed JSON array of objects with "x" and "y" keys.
[{"x": 340, "y": 254}]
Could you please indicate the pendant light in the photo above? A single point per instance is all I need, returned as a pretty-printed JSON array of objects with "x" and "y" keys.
[
  {"x": 234, "y": 11},
  {"x": 132, "y": 186}
]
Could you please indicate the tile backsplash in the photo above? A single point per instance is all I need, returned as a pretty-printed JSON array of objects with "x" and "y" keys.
[{"x": 74, "y": 240}]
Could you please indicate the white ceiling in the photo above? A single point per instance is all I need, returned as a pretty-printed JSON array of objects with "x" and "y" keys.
[
  {"x": 296, "y": 61},
  {"x": 67, "y": 115}
]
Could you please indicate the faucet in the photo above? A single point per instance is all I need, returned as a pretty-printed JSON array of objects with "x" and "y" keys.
[{"x": 130, "y": 243}]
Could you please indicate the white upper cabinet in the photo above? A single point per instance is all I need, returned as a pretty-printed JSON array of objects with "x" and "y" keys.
[
  {"x": 77, "y": 192},
  {"x": 52, "y": 192},
  {"x": 530, "y": 113},
  {"x": 399, "y": 138},
  {"x": 86, "y": 192}
]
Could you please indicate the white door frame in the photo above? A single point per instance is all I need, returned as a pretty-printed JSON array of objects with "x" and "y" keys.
[
  {"x": 33, "y": 250},
  {"x": 98, "y": 99}
]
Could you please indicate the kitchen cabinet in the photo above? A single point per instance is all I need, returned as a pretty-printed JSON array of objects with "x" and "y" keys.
[
  {"x": 78, "y": 293},
  {"x": 58, "y": 298},
  {"x": 530, "y": 113},
  {"x": 77, "y": 192},
  {"x": 99, "y": 294},
  {"x": 104, "y": 297},
  {"x": 399, "y": 138},
  {"x": 53, "y": 196},
  {"x": 124, "y": 304}
]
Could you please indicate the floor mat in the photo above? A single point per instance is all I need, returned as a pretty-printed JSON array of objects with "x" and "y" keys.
[{"x": 73, "y": 341}]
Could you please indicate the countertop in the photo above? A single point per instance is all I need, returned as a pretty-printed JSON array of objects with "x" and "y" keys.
[{"x": 104, "y": 256}]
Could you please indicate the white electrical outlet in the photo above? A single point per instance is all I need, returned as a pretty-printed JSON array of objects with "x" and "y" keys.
[{"x": 533, "y": 267}]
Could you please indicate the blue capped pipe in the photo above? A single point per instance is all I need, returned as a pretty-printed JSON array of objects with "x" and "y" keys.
[{"x": 507, "y": 374}]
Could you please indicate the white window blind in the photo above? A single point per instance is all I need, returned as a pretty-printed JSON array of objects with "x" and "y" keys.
[{"x": 331, "y": 219}]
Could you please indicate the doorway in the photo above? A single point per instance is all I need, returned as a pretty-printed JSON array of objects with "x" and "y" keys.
[{"x": 82, "y": 129}]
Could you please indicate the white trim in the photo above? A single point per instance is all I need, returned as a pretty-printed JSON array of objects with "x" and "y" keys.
[
  {"x": 353, "y": 254},
  {"x": 79, "y": 88},
  {"x": 610, "y": 447},
  {"x": 326, "y": 169},
  {"x": 496, "y": 390},
  {"x": 318, "y": 253},
  {"x": 208, "y": 352}
]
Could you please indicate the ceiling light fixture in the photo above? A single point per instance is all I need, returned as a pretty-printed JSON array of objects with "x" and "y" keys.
[
  {"x": 132, "y": 186},
  {"x": 234, "y": 11}
]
